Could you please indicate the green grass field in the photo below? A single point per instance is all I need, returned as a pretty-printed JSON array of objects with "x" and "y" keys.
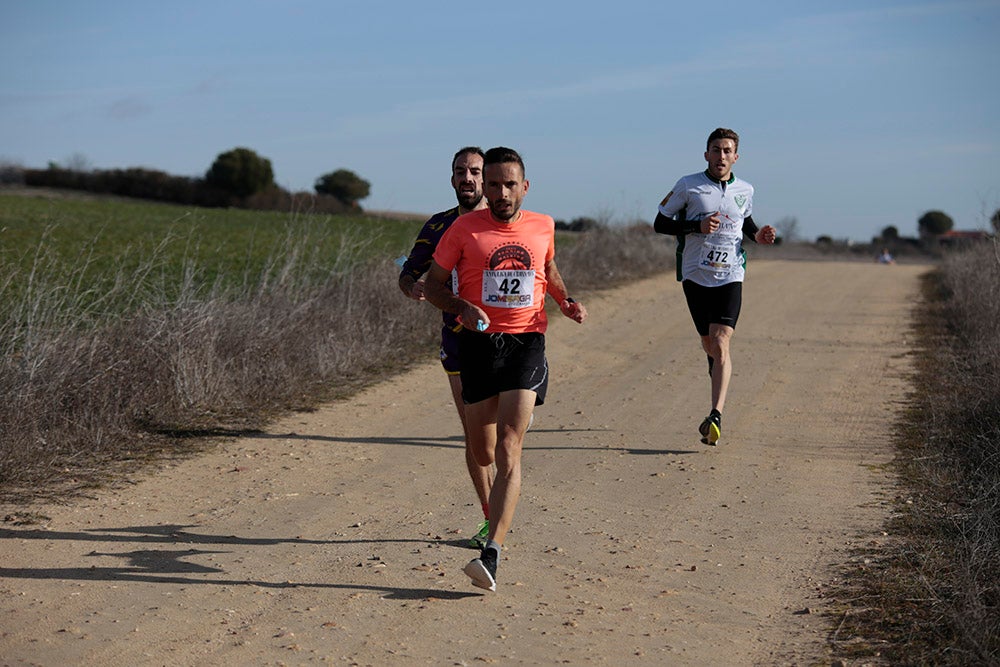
[{"x": 93, "y": 241}]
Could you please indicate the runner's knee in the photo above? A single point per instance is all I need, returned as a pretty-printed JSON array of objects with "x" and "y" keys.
[{"x": 718, "y": 344}]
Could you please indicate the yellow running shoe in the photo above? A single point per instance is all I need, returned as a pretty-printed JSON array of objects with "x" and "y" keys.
[{"x": 711, "y": 429}]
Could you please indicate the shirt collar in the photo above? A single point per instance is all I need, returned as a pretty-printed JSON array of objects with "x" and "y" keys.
[{"x": 732, "y": 177}]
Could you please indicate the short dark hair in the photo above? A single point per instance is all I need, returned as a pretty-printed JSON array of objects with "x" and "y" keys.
[
  {"x": 501, "y": 154},
  {"x": 476, "y": 150},
  {"x": 723, "y": 133}
]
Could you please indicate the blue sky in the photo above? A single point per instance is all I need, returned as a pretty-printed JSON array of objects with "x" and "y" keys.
[{"x": 853, "y": 115}]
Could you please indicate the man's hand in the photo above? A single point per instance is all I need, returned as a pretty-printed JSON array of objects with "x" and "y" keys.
[
  {"x": 766, "y": 234},
  {"x": 417, "y": 291},
  {"x": 414, "y": 289},
  {"x": 710, "y": 224},
  {"x": 472, "y": 315},
  {"x": 574, "y": 310}
]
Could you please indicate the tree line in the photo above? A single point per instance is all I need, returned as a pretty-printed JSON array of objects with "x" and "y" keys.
[
  {"x": 237, "y": 178},
  {"x": 932, "y": 225}
]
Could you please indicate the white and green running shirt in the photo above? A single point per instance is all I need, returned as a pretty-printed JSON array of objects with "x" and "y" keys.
[{"x": 717, "y": 258}]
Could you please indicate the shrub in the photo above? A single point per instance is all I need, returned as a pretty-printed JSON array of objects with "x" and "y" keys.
[
  {"x": 343, "y": 184},
  {"x": 83, "y": 389},
  {"x": 606, "y": 256},
  {"x": 934, "y": 223},
  {"x": 241, "y": 172},
  {"x": 933, "y": 595}
]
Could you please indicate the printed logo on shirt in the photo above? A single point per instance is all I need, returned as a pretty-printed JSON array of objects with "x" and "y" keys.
[
  {"x": 740, "y": 200},
  {"x": 510, "y": 257}
]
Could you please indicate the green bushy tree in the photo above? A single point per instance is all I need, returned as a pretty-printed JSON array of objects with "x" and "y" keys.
[
  {"x": 343, "y": 184},
  {"x": 241, "y": 172},
  {"x": 934, "y": 223}
]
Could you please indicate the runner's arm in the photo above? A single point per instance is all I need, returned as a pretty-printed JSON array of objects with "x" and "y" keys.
[
  {"x": 407, "y": 283},
  {"x": 556, "y": 288},
  {"x": 436, "y": 291},
  {"x": 417, "y": 263},
  {"x": 675, "y": 227},
  {"x": 419, "y": 260},
  {"x": 765, "y": 234}
]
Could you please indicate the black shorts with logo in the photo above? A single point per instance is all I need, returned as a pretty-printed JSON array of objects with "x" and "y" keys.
[
  {"x": 497, "y": 362},
  {"x": 713, "y": 305}
]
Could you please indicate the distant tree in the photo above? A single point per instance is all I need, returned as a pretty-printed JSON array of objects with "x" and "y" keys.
[
  {"x": 343, "y": 184},
  {"x": 824, "y": 240},
  {"x": 934, "y": 223},
  {"x": 890, "y": 233},
  {"x": 788, "y": 228},
  {"x": 241, "y": 172},
  {"x": 995, "y": 221}
]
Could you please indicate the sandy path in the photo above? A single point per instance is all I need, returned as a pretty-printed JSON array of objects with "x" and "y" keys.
[{"x": 338, "y": 537}]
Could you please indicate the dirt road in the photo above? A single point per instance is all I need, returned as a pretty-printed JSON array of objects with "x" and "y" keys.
[{"x": 339, "y": 536}]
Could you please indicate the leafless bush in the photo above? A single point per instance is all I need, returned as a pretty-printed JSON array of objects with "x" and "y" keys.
[
  {"x": 607, "y": 256},
  {"x": 80, "y": 387},
  {"x": 966, "y": 429},
  {"x": 934, "y": 596}
]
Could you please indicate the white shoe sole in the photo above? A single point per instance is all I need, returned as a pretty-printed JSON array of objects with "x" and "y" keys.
[{"x": 480, "y": 575}]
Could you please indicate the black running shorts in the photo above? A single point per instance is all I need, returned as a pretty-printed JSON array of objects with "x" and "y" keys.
[
  {"x": 713, "y": 305},
  {"x": 497, "y": 362}
]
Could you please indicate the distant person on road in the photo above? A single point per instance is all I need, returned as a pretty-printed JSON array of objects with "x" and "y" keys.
[
  {"x": 885, "y": 257},
  {"x": 467, "y": 181},
  {"x": 710, "y": 212},
  {"x": 505, "y": 261}
]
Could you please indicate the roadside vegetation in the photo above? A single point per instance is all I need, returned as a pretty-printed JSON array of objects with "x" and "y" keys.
[
  {"x": 130, "y": 331},
  {"x": 931, "y": 594}
]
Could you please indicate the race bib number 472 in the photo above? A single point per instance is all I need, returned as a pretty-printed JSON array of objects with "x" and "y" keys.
[
  {"x": 718, "y": 257},
  {"x": 509, "y": 288}
]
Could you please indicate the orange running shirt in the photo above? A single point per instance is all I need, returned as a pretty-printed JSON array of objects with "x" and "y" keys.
[{"x": 501, "y": 266}]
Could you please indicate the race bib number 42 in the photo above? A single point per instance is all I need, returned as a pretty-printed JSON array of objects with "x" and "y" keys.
[{"x": 509, "y": 288}]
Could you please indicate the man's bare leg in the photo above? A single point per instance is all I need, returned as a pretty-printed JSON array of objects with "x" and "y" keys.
[
  {"x": 496, "y": 432},
  {"x": 482, "y": 476},
  {"x": 716, "y": 345}
]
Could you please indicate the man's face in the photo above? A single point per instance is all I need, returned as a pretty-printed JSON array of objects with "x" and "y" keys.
[
  {"x": 467, "y": 179},
  {"x": 721, "y": 155},
  {"x": 505, "y": 189}
]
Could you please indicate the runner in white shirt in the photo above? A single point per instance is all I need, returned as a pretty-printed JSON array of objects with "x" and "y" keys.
[{"x": 709, "y": 213}]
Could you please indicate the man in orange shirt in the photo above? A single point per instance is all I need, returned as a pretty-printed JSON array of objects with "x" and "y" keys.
[{"x": 505, "y": 261}]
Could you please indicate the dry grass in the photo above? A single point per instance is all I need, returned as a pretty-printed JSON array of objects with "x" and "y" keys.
[
  {"x": 93, "y": 385},
  {"x": 932, "y": 596},
  {"x": 88, "y": 388}
]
